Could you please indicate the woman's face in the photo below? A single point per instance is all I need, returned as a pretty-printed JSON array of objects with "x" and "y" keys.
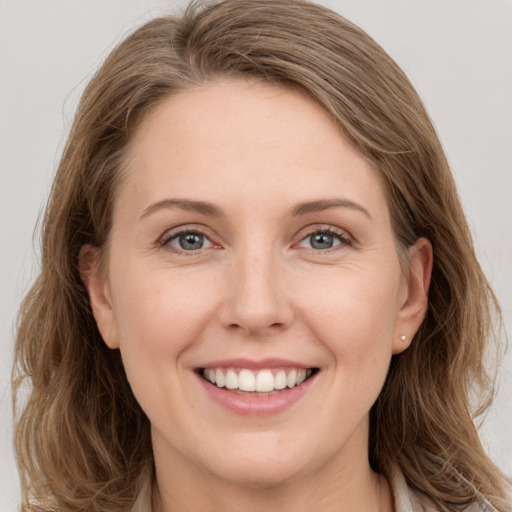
[{"x": 253, "y": 243}]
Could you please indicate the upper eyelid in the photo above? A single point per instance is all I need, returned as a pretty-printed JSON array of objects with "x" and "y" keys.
[{"x": 343, "y": 233}]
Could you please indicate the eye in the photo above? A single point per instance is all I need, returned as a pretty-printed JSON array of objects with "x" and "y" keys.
[
  {"x": 187, "y": 241},
  {"x": 324, "y": 239}
]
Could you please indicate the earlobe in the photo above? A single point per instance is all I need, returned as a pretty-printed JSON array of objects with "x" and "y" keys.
[
  {"x": 414, "y": 307},
  {"x": 96, "y": 283}
]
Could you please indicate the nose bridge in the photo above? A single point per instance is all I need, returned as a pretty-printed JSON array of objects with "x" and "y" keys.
[{"x": 257, "y": 301}]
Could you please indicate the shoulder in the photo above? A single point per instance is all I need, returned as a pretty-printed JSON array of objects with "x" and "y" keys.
[
  {"x": 408, "y": 500},
  {"x": 405, "y": 499},
  {"x": 421, "y": 503}
]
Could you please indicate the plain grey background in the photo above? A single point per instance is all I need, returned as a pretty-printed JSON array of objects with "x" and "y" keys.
[{"x": 456, "y": 52}]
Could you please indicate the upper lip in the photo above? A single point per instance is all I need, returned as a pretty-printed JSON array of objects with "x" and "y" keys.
[{"x": 255, "y": 364}]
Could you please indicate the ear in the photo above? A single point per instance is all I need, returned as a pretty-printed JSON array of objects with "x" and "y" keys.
[
  {"x": 415, "y": 304},
  {"x": 96, "y": 283}
]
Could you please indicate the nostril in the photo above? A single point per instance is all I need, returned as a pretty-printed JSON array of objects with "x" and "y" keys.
[{"x": 256, "y": 329}]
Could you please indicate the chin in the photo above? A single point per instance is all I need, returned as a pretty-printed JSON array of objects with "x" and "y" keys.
[
  {"x": 253, "y": 465},
  {"x": 261, "y": 474}
]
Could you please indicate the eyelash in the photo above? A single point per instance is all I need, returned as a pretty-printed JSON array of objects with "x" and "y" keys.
[
  {"x": 171, "y": 236},
  {"x": 342, "y": 236}
]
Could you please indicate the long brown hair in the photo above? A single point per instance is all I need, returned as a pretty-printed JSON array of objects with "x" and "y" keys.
[{"x": 82, "y": 441}]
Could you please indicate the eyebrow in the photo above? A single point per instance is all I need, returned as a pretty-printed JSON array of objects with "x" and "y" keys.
[
  {"x": 326, "y": 204},
  {"x": 211, "y": 210},
  {"x": 201, "y": 207}
]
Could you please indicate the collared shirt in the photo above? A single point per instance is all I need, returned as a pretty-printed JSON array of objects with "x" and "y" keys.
[{"x": 406, "y": 500}]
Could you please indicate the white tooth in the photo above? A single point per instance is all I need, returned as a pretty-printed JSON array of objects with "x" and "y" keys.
[
  {"x": 291, "y": 379},
  {"x": 211, "y": 375},
  {"x": 219, "y": 378},
  {"x": 280, "y": 380},
  {"x": 231, "y": 380},
  {"x": 246, "y": 381},
  {"x": 264, "y": 381},
  {"x": 301, "y": 376}
]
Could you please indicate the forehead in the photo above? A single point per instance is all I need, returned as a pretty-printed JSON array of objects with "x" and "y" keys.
[{"x": 238, "y": 138}]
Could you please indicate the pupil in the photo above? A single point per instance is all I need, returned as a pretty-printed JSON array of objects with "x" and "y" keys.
[
  {"x": 191, "y": 241},
  {"x": 322, "y": 241}
]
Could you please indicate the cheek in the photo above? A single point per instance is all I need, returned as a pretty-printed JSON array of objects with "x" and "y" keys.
[
  {"x": 358, "y": 302},
  {"x": 157, "y": 304},
  {"x": 159, "y": 316},
  {"x": 353, "y": 314}
]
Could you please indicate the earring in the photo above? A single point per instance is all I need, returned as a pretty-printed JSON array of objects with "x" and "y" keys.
[{"x": 403, "y": 337}]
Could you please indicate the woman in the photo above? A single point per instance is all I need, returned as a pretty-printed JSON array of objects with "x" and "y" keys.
[{"x": 258, "y": 288}]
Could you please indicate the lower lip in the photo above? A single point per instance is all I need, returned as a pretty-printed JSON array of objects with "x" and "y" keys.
[{"x": 248, "y": 405}]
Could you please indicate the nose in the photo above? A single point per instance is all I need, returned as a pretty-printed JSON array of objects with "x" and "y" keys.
[{"x": 256, "y": 301}]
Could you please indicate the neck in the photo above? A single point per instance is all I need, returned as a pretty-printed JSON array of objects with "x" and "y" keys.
[{"x": 349, "y": 488}]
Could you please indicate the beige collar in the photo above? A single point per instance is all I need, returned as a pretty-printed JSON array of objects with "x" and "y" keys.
[{"x": 406, "y": 500}]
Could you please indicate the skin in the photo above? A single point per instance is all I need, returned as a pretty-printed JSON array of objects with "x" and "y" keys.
[{"x": 256, "y": 289}]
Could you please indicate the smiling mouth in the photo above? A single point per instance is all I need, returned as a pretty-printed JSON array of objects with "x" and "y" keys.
[{"x": 263, "y": 382}]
